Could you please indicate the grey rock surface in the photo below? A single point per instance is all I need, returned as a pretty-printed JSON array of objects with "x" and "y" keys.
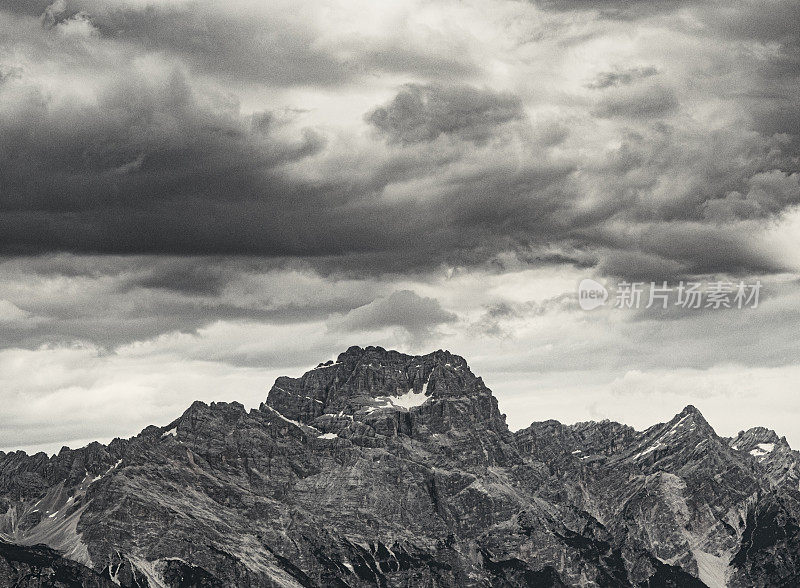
[{"x": 384, "y": 469}]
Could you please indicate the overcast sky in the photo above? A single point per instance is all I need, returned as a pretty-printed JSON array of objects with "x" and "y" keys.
[{"x": 199, "y": 196}]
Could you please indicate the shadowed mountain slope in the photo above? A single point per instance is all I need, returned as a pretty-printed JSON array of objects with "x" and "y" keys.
[{"x": 385, "y": 469}]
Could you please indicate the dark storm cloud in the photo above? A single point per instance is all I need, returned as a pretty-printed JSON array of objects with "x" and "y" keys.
[
  {"x": 767, "y": 194},
  {"x": 655, "y": 101},
  {"x": 457, "y": 173},
  {"x": 131, "y": 298},
  {"x": 638, "y": 265},
  {"x": 25, "y": 7},
  {"x": 618, "y": 9},
  {"x": 497, "y": 317},
  {"x": 423, "y": 113},
  {"x": 253, "y": 44},
  {"x": 185, "y": 275},
  {"x": 152, "y": 167},
  {"x": 621, "y": 77},
  {"x": 680, "y": 249},
  {"x": 692, "y": 169},
  {"x": 148, "y": 168},
  {"x": 309, "y": 177},
  {"x": 9, "y": 73},
  {"x": 226, "y": 43},
  {"x": 185, "y": 278},
  {"x": 416, "y": 314},
  {"x": 773, "y": 21}
]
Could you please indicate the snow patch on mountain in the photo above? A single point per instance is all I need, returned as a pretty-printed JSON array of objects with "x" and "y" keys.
[
  {"x": 648, "y": 450},
  {"x": 407, "y": 401},
  {"x": 762, "y": 449},
  {"x": 410, "y": 399}
]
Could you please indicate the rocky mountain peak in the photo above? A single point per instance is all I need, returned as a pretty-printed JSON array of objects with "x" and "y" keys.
[
  {"x": 692, "y": 414},
  {"x": 356, "y": 354},
  {"x": 781, "y": 464},
  {"x": 687, "y": 437},
  {"x": 690, "y": 409},
  {"x": 691, "y": 419},
  {"x": 752, "y": 438},
  {"x": 388, "y": 469},
  {"x": 361, "y": 377},
  {"x": 378, "y": 397}
]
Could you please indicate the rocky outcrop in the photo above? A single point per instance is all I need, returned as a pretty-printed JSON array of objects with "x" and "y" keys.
[
  {"x": 778, "y": 462},
  {"x": 42, "y": 567},
  {"x": 384, "y": 469}
]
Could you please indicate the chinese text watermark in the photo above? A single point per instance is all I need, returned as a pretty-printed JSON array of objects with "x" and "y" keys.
[{"x": 684, "y": 294}]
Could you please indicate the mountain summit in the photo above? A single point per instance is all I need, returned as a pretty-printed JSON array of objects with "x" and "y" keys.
[{"x": 386, "y": 469}]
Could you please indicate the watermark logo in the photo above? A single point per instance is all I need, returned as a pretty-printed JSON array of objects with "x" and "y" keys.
[
  {"x": 591, "y": 294},
  {"x": 691, "y": 295}
]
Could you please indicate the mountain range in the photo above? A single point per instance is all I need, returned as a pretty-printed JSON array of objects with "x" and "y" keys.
[{"x": 386, "y": 469}]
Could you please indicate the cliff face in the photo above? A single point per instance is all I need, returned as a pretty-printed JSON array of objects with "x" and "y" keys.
[{"x": 383, "y": 469}]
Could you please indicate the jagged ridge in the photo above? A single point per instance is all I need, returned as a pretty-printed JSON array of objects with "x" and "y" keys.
[{"x": 388, "y": 469}]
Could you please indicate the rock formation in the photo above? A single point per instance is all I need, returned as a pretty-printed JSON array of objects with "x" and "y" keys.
[{"x": 384, "y": 469}]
